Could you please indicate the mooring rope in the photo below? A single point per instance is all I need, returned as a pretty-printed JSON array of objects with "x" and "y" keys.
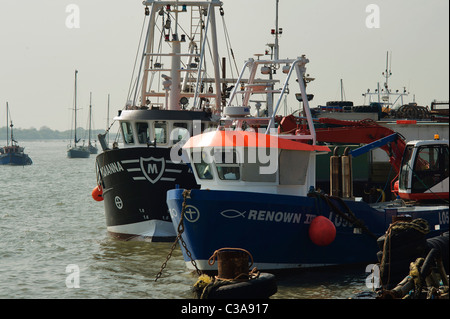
[{"x": 419, "y": 224}]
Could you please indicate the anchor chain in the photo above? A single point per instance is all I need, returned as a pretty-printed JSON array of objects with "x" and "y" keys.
[{"x": 180, "y": 229}]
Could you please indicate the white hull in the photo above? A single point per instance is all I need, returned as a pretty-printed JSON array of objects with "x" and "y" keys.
[{"x": 150, "y": 230}]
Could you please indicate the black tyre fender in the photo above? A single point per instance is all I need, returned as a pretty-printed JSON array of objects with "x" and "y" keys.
[{"x": 259, "y": 288}]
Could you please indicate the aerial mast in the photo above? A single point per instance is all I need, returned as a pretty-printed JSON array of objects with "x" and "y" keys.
[
  {"x": 387, "y": 74},
  {"x": 7, "y": 129},
  {"x": 277, "y": 48},
  {"x": 75, "y": 105},
  {"x": 90, "y": 116}
]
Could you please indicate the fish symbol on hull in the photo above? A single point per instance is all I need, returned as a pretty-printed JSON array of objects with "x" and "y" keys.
[{"x": 232, "y": 213}]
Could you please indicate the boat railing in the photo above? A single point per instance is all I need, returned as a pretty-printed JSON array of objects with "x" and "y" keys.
[{"x": 253, "y": 86}]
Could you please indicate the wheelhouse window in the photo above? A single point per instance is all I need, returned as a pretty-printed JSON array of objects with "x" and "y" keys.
[
  {"x": 228, "y": 172},
  {"x": 160, "y": 132},
  {"x": 227, "y": 164},
  {"x": 179, "y": 132},
  {"x": 142, "y": 133},
  {"x": 127, "y": 132},
  {"x": 202, "y": 167}
]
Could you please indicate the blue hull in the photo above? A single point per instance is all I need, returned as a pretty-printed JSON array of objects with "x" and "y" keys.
[
  {"x": 15, "y": 159},
  {"x": 274, "y": 228}
]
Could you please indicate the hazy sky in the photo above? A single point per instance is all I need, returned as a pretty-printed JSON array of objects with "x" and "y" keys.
[{"x": 39, "y": 53}]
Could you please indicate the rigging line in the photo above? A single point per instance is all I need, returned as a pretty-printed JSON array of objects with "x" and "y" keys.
[
  {"x": 179, "y": 25},
  {"x": 116, "y": 139},
  {"x": 196, "y": 31},
  {"x": 158, "y": 58},
  {"x": 130, "y": 89},
  {"x": 204, "y": 72},
  {"x": 183, "y": 31},
  {"x": 228, "y": 46},
  {"x": 142, "y": 58},
  {"x": 202, "y": 57},
  {"x": 230, "y": 58},
  {"x": 107, "y": 130},
  {"x": 228, "y": 42}
]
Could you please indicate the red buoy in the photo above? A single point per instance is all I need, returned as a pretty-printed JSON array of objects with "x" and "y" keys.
[
  {"x": 97, "y": 193},
  {"x": 322, "y": 231}
]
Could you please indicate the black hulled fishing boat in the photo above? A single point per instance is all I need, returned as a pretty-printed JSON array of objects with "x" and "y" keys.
[{"x": 175, "y": 96}]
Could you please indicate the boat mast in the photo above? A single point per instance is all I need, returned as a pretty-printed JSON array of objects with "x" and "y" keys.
[
  {"x": 174, "y": 96},
  {"x": 12, "y": 134},
  {"x": 277, "y": 48},
  {"x": 75, "y": 109},
  {"x": 169, "y": 12},
  {"x": 90, "y": 116},
  {"x": 387, "y": 74},
  {"x": 107, "y": 119},
  {"x": 7, "y": 128},
  {"x": 276, "y": 55},
  {"x": 342, "y": 91}
]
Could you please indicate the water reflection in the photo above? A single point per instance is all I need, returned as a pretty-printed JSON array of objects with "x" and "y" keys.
[
  {"x": 133, "y": 265},
  {"x": 130, "y": 268},
  {"x": 322, "y": 283}
]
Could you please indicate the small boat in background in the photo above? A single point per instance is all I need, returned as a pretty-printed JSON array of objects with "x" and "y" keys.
[
  {"x": 12, "y": 153},
  {"x": 76, "y": 151}
]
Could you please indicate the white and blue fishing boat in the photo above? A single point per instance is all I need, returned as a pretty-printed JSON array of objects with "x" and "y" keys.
[
  {"x": 12, "y": 153},
  {"x": 258, "y": 192}
]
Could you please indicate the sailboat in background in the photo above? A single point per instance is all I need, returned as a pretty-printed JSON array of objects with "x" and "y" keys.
[
  {"x": 92, "y": 148},
  {"x": 76, "y": 151},
  {"x": 12, "y": 153}
]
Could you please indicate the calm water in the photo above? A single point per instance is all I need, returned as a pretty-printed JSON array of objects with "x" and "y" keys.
[{"x": 49, "y": 223}]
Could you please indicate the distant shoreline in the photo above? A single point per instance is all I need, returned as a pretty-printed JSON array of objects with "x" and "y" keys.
[{"x": 45, "y": 133}]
